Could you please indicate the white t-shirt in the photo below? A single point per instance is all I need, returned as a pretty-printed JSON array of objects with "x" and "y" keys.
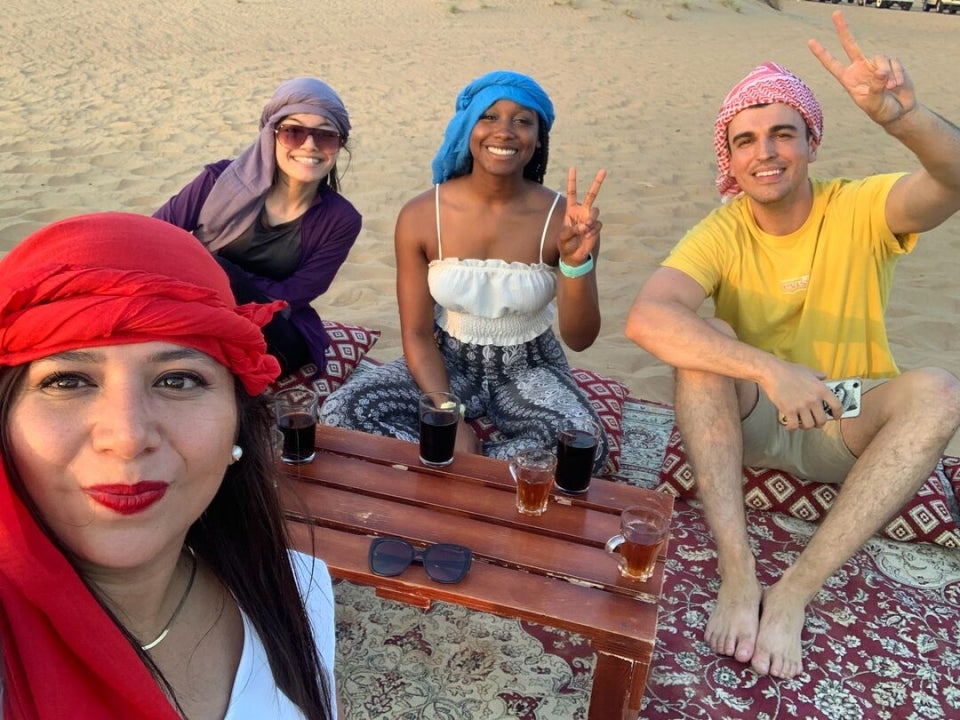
[{"x": 255, "y": 694}]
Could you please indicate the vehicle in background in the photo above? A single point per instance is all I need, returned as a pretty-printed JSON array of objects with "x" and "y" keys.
[
  {"x": 950, "y": 6},
  {"x": 902, "y": 4}
]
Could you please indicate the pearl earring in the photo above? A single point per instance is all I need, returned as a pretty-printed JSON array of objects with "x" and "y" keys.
[{"x": 236, "y": 453}]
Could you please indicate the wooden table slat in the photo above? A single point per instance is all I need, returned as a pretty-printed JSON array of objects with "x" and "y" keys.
[
  {"x": 550, "y": 569},
  {"x": 515, "y": 546},
  {"x": 602, "y": 495},
  {"x": 494, "y": 503},
  {"x": 614, "y": 622}
]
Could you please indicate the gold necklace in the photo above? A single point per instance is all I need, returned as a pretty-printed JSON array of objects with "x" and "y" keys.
[{"x": 166, "y": 628}]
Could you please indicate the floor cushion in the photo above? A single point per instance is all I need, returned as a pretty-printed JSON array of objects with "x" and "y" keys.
[
  {"x": 880, "y": 641},
  {"x": 925, "y": 518},
  {"x": 349, "y": 344}
]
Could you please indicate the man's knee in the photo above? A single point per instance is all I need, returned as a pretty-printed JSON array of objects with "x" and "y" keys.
[
  {"x": 682, "y": 375},
  {"x": 930, "y": 392},
  {"x": 940, "y": 388},
  {"x": 703, "y": 386}
]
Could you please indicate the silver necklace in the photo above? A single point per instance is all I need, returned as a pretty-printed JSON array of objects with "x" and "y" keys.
[{"x": 176, "y": 611}]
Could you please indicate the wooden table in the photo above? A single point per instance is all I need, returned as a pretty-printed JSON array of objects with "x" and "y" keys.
[{"x": 552, "y": 569}]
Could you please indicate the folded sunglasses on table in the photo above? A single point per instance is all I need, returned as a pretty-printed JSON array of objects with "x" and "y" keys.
[{"x": 443, "y": 562}]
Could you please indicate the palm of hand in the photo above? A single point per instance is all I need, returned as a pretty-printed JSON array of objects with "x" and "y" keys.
[{"x": 880, "y": 87}]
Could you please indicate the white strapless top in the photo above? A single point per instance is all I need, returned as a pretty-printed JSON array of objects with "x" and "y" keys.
[{"x": 492, "y": 302}]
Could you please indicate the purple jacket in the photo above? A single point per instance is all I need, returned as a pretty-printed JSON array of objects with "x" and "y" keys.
[{"x": 328, "y": 231}]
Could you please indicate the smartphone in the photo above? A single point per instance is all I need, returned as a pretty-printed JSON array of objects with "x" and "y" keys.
[{"x": 848, "y": 393}]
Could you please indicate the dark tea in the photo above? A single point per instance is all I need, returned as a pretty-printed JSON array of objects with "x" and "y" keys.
[
  {"x": 438, "y": 435},
  {"x": 576, "y": 450},
  {"x": 299, "y": 435}
]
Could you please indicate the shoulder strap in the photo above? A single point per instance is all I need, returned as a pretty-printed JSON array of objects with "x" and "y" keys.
[
  {"x": 543, "y": 236},
  {"x": 436, "y": 204}
]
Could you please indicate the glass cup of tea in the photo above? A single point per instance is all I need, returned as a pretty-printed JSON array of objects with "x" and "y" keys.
[
  {"x": 578, "y": 441},
  {"x": 296, "y": 413},
  {"x": 439, "y": 416},
  {"x": 533, "y": 471},
  {"x": 643, "y": 530}
]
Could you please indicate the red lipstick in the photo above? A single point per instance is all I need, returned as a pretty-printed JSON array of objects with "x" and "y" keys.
[{"x": 128, "y": 499}]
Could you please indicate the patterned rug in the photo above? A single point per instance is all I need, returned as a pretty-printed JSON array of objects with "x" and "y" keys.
[{"x": 882, "y": 639}]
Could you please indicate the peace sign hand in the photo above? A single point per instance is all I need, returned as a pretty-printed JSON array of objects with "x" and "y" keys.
[
  {"x": 880, "y": 87},
  {"x": 581, "y": 228}
]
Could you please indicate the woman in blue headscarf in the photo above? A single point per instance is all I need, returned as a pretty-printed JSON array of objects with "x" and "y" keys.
[
  {"x": 274, "y": 217},
  {"x": 483, "y": 258}
]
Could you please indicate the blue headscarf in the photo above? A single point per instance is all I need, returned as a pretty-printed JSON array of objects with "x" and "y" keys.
[{"x": 453, "y": 158}]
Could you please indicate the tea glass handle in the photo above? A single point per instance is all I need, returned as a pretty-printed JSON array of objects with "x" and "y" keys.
[{"x": 613, "y": 543}]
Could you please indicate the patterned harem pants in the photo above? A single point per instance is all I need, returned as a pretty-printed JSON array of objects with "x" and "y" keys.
[{"x": 524, "y": 389}]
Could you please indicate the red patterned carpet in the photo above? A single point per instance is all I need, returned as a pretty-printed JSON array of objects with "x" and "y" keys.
[{"x": 882, "y": 640}]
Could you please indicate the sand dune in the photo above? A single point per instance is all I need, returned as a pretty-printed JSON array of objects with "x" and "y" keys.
[{"x": 107, "y": 108}]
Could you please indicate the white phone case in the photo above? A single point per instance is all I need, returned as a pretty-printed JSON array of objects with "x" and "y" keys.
[{"x": 848, "y": 393}]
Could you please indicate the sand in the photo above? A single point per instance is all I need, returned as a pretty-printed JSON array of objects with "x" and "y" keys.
[{"x": 115, "y": 106}]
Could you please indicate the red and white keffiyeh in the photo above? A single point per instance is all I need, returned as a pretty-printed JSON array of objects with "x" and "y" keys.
[{"x": 765, "y": 84}]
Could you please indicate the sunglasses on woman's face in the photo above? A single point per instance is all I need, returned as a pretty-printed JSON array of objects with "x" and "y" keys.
[
  {"x": 443, "y": 562},
  {"x": 293, "y": 136}
]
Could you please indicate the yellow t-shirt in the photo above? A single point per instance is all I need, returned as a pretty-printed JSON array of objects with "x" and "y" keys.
[{"x": 815, "y": 297}]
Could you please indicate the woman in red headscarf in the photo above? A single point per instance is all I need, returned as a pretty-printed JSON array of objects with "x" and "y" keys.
[{"x": 144, "y": 570}]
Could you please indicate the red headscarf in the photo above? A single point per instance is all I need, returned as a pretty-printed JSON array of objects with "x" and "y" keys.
[
  {"x": 765, "y": 84},
  {"x": 103, "y": 279}
]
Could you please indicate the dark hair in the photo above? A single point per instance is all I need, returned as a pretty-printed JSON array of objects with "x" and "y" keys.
[
  {"x": 242, "y": 537},
  {"x": 536, "y": 169},
  {"x": 332, "y": 180}
]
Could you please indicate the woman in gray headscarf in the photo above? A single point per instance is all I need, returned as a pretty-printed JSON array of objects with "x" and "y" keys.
[{"x": 274, "y": 217}]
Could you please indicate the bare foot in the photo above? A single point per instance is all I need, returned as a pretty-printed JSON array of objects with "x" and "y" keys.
[
  {"x": 732, "y": 628},
  {"x": 778, "y": 651}
]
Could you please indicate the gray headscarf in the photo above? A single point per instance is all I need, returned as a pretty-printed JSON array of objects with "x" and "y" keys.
[{"x": 237, "y": 196}]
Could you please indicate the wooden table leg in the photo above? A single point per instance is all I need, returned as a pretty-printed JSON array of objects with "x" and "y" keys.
[{"x": 618, "y": 685}]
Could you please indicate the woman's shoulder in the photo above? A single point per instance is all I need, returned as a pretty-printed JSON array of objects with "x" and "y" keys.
[
  {"x": 216, "y": 168},
  {"x": 542, "y": 198},
  {"x": 423, "y": 199},
  {"x": 329, "y": 201},
  {"x": 209, "y": 175},
  {"x": 418, "y": 209},
  {"x": 310, "y": 571},
  {"x": 313, "y": 582}
]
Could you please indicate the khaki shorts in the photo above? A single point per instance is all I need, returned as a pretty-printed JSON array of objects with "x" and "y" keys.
[{"x": 817, "y": 454}]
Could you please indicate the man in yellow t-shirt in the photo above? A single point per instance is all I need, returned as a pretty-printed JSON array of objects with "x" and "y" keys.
[{"x": 800, "y": 273}]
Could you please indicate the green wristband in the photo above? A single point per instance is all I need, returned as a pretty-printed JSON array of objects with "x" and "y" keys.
[{"x": 577, "y": 270}]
